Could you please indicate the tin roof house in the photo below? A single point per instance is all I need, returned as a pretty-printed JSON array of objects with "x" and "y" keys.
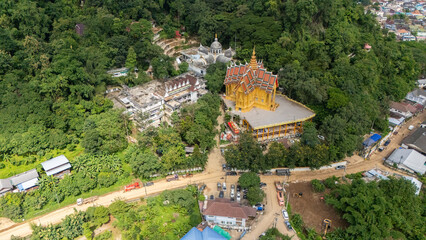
[{"x": 57, "y": 166}]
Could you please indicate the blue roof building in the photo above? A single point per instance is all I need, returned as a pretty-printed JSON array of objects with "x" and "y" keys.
[
  {"x": 371, "y": 140},
  {"x": 206, "y": 234}
]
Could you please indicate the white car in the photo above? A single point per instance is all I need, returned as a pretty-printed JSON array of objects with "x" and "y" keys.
[
  {"x": 232, "y": 193},
  {"x": 285, "y": 215},
  {"x": 238, "y": 197}
]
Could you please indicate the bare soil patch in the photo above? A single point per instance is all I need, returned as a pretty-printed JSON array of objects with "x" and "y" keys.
[{"x": 312, "y": 208}]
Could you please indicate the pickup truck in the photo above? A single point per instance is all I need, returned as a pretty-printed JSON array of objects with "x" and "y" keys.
[
  {"x": 82, "y": 201},
  {"x": 172, "y": 178},
  {"x": 278, "y": 186}
]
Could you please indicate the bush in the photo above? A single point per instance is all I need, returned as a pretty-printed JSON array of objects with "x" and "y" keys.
[
  {"x": 331, "y": 182},
  {"x": 2, "y": 165},
  {"x": 317, "y": 185},
  {"x": 106, "y": 179},
  {"x": 354, "y": 176}
]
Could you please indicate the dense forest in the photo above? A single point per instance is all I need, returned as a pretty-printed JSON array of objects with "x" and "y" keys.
[{"x": 50, "y": 76}]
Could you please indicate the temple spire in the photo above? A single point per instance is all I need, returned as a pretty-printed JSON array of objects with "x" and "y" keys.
[
  {"x": 253, "y": 62},
  {"x": 215, "y": 36}
]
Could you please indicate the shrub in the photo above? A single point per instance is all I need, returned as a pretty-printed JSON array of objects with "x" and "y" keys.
[
  {"x": 317, "y": 185},
  {"x": 2, "y": 165},
  {"x": 331, "y": 182}
]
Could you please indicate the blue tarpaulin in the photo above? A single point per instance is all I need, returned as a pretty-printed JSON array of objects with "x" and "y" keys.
[{"x": 371, "y": 140}]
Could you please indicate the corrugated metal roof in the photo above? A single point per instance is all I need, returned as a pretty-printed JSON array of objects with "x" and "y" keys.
[
  {"x": 58, "y": 169},
  {"x": 23, "y": 177},
  {"x": 54, "y": 162},
  {"x": 28, "y": 184},
  {"x": 5, "y": 183}
]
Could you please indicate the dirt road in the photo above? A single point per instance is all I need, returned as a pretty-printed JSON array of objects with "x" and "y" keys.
[{"x": 211, "y": 175}]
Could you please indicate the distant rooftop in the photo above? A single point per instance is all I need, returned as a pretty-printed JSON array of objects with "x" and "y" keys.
[{"x": 288, "y": 111}]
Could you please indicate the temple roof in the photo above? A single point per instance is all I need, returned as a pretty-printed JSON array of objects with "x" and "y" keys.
[{"x": 248, "y": 78}]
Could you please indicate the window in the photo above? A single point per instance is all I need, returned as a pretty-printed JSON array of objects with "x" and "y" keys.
[
  {"x": 262, "y": 100},
  {"x": 257, "y": 99},
  {"x": 239, "y": 109},
  {"x": 223, "y": 222}
]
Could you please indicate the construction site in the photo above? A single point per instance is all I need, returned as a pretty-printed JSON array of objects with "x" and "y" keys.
[{"x": 312, "y": 208}]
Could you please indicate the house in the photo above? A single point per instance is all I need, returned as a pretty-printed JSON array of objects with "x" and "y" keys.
[
  {"x": 5, "y": 186},
  {"x": 408, "y": 159},
  {"x": 401, "y": 109},
  {"x": 402, "y": 32},
  {"x": 421, "y": 83},
  {"x": 205, "y": 234},
  {"x": 371, "y": 140},
  {"x": 417, "y": 184},
  {"x": 408, "y": 38},
  {"x": 417, "y": 140},
  {"x": 25, "y": 181},
  {"x": 227, "y": 214},
  {"x": 57, "y": 166},
  {"x": 417, "y": 96}
]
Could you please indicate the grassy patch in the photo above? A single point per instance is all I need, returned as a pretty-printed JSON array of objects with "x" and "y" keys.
[{"x": 34, "y": 160}]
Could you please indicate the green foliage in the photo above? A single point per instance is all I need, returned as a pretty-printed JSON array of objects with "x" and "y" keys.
[
  {"x": 255, "y": 195},
  {"x": 215, "y": 75},
  {"x": 158, "y": 221},
  {"x": 247, "y": 154},
  {"x": 273, "y": 234},
  {"x": 144, "y": 163},
  {"x": 107, "y": 235},
  {"x": 70, "y": 228},
  {"x": 250, "y": 179},
  {"x": 101, "y": 215},
  {"x": 331, "y": 182},
  {"x": 131, "y": 59},
  {"x": 317, "y": 185},
  {"x": 105, "y": 133},
  {"x": 387, "y": 209}
]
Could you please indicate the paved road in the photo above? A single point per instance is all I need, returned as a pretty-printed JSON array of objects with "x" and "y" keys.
[{"x": 213, "y": 174}]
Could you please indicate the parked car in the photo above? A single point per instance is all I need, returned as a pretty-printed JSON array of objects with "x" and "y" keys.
[
  {"x": 238, "y": 188},
  {"x": 219, "y": 186},
  {"x": 287, "y": 223},
  {"x": 261, "y": 235},
  {"x": 221, "y": 194},
  {"x": 224, "y": 186},
  {"x": 245, "y": 196},
  {"x": 211, "y": 197},
  {"x": 387, "y": 142},
  {"x": 238, "y": 197},
  {"x": 202, "y": 187},
  {"x": 340, "y": 167},
  {"x": 232, "y": 193},
  {"x": 147, "y": 184},
  {"x": 285, "y": 214},
  {"x": 232, "y": 187},
  {"x": 262, "y": 184},
  {"x": 223, "y": 167},
  {"x": 381, "y": 149},
  {"x": 232, "y": 173},
  {"x": 232, "y": 199}
]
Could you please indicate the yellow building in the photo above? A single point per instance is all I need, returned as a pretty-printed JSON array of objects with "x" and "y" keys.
[
  {"x": 251, "y": 94},
  {"x": 250, "y": 86}
]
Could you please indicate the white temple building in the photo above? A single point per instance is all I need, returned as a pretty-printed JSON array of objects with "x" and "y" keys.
[{"x": 200, "y": 58}]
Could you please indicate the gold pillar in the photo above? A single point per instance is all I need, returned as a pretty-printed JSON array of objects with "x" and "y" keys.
[
  {"x": 279, "y": 131},
  {"x": 295, "y": 126},
  {"x": 285, "y": 133}
]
